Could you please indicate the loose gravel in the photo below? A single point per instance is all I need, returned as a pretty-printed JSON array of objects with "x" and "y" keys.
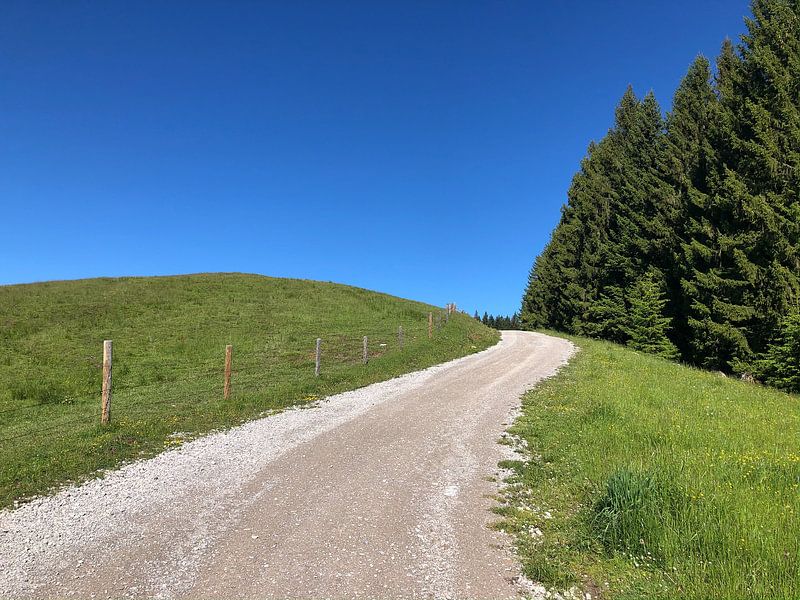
[{"x": 244, "y": 511}]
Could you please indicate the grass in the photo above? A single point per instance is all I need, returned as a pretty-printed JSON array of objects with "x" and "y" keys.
[
  {"x": 169, "y": 340},
  {"x": 648, "y": 479}
]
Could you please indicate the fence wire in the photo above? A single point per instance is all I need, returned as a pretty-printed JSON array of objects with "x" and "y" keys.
[{"x": 281, "y": 354}]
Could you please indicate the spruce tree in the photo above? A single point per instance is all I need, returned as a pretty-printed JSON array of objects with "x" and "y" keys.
[
  {"x": 766, "y": 138},
  {"x": 647, "y": 325},
  {"x": 554, "y": 295},
  {"x": 744, "y": 250},
  {"x": 689, "y": 162},
  {"x": 779, "y": 365},
  {"x": 720, "y": 275},
  {"x": 613, "y": 227}
]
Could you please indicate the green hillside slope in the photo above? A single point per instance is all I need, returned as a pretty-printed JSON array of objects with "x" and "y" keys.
[
  {"x": 648, "y": 479},
  {"x": 169, "y": 337}
]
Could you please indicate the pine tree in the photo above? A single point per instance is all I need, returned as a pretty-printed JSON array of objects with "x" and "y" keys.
[
  {"x": 476, "y": 316},
  {"x": 647, "y": 325}
]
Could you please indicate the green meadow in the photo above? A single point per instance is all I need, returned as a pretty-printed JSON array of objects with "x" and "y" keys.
[
  {"x": 169, "y": 337},
  {"x": 648, "y": 479}
]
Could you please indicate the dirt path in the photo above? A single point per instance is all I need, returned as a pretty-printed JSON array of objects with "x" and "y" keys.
[{"x": 379, "y": 492}]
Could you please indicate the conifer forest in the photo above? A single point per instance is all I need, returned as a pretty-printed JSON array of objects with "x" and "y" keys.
[{"x": 681, "y": 233}]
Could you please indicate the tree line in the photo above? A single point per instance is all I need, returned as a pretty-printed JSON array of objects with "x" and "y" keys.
[
  {"x": 499, "y": 321},
  {"x": 680, "y": 233}
]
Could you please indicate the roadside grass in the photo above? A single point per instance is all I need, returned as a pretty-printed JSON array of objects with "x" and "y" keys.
[
  {"x": 169, "y": 339},
  {"x": 647, "y": 479}
]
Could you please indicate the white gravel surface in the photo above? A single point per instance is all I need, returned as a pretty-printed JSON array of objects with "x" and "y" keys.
[{"x": 377, "y": 491}]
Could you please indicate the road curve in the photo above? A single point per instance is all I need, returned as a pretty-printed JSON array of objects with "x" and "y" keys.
[{"x": 379, "y": 492}]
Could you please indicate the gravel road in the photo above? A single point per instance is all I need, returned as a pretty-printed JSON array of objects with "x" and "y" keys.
[{"x": 383, "y": 492}]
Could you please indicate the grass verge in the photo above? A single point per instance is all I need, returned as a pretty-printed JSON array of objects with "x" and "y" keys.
[
  {"x": 169, "y": 339},
  {"x": 647, "y": 479}
]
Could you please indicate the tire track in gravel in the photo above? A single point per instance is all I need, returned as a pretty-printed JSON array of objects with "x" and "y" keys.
[{"x": 378, "y": 492}]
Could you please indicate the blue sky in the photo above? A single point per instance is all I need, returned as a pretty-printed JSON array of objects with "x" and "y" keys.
[{"x": 419, "y": 148}]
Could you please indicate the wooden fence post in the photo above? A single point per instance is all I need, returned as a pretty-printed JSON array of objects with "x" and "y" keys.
[
  {"x": 430, "y": 325},
  {"x": 400, "y": 336},
  {"x": 226, "y": 391},
  {"x": 366, "y": 357},
  {"x": 105, "y": 411},
  {"x": 319, "y": 355}
]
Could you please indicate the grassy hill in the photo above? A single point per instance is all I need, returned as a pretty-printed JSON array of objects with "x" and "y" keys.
[
  {"x": 648, "y": 479},
  {"x": 169, "y": 338}
]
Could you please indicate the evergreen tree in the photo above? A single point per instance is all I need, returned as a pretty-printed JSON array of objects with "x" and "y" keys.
[
  {"x": 553, "y": 296},
  {"x": 476, "y": 316},
  {"x": 647, "y": 325},
  {"x": 641, "y": 233},
  {"x": 766, "y": 139},
  {"x": 613, "y": 227},
  {"x": 779, "y": 365},
  {"x": 718, "y": 273},
  {"x": 744, "y": 245},
  {"x": 688, "y": 158}
]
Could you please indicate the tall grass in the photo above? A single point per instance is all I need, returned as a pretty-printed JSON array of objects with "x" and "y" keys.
[
  {"x": 662, "y": 481},
  {"x": 169, "y": 339}
]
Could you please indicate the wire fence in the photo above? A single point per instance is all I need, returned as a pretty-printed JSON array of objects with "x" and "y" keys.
[{"x": 280, "y": 363}]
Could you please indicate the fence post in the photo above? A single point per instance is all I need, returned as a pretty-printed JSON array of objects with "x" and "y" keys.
[
  {"x": 366, "y": 358},
  {"x": 400, "y": 336},
  {"x": 226, "y": 391},
  {"x": 319, "y": 354},
  {"x": 105, "y": 411},
  {"x": 430, "y": 325}
]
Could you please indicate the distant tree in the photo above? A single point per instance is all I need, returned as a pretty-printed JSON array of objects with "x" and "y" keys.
[
  {"x": 501, "y": 321},
  {"x": 476, "y": 316}
]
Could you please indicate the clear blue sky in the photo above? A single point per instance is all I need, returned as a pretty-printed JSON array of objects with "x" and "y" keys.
[{"x": 414, "y": 147}]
